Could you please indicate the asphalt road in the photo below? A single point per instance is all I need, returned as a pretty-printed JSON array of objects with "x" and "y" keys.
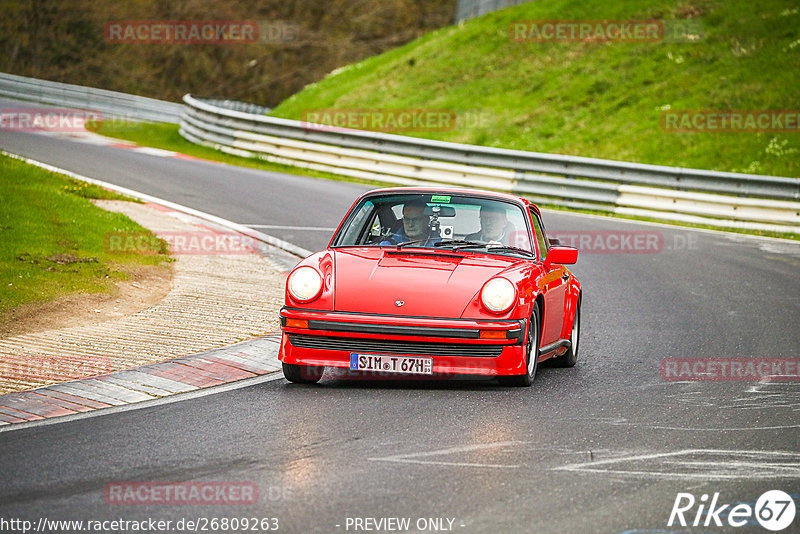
[{"x": 603, "y": 447}]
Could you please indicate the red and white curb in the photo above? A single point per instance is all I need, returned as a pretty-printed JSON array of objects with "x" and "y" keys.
[{"x": 242, "y": 361}]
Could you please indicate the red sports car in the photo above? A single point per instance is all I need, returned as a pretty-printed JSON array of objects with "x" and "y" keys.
[{"x": 422, "y": 281}]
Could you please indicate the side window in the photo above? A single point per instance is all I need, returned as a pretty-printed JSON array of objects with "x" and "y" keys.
[
  {"x": 540, "y": 239},
  {"x": 375, "y": 231},
  {"x": 357, "y": 226}
]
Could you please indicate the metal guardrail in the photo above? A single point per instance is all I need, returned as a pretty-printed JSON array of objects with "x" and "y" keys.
[
  {"x": 723, "y": 199},
  {"x": 108, "y": 103},
  {"x": 468, "y": 9},
  {"x": 235, "y": 105},
  {"x": 672, "y": 193}
]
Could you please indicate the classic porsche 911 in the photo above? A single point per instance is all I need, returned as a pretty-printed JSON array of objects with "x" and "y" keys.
[{"x": 420, "y": 281}]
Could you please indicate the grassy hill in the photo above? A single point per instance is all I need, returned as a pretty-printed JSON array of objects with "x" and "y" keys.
[{"x": 597, "y": 99}]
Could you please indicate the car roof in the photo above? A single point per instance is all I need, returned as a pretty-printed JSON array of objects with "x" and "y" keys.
[{"x": 452, "y": 190}]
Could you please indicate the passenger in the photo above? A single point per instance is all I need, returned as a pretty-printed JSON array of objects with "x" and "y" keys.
[{"x": 494, "y": 225}]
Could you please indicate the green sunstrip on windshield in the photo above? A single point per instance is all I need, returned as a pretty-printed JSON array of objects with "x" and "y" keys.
[{"x": 440, "y": 198}]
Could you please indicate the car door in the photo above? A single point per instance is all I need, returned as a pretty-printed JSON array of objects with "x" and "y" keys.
[{"x": 553, "y": 285}]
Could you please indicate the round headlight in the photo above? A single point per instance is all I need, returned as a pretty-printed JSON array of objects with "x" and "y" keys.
[
  {"x": 498, "y": 295},
  {"x": 305, "y": 284}
]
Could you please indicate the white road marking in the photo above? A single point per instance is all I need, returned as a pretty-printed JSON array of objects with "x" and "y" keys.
[
  {"x": 730, "y": 465},
  {"x": 734, "y": 429},
  {"x": 413, "y": 458},
  {"x": 764, "y": 395}
]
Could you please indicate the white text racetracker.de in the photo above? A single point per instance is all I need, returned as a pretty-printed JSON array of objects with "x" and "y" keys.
[{"x": 399, "y": 524}]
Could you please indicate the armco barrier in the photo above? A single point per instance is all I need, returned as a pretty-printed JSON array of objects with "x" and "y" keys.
[
  {"x": 108, "y": 103},
  {"x": 672, "y": 193}
]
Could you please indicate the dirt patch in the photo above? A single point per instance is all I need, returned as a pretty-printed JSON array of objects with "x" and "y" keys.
[
  {"x": 147, "y": 285},
  {"x": 66, "y": 259},
  {"x": 56, "y": 262}
]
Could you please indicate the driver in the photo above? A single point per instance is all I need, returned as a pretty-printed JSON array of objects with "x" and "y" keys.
[
  {"x": 416, "y": 226},
  {"x": 494, "y": 225}
]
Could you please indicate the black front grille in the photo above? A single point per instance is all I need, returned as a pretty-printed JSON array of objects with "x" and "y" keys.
[{"x": 381, "y": 346}]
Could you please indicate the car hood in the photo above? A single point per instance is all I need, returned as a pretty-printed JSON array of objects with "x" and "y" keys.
[{"x": 427, "y": 283}]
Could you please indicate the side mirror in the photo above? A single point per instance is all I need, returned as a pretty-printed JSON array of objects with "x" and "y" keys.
[{"x": 561, "y": 255}]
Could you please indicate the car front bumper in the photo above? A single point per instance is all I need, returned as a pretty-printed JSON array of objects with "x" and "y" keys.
[{"x": 457, "y": 346}]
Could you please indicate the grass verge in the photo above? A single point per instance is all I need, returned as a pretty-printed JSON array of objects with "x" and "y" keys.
[{"x": 52, "y": 238}]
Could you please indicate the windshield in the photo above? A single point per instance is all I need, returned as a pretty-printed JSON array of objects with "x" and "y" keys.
[{"x": 437, "y": 222}]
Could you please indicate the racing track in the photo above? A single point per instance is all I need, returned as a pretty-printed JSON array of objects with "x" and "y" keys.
[{"x": 603, "y": 447}]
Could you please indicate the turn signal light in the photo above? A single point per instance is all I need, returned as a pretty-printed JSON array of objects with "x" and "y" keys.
[
  {"x": 296, "y": 323},
  {"x": 493, "y": 334}
]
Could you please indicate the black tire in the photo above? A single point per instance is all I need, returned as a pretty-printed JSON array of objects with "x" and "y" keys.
[
  {"x": 570, "y": 358},
  {"x": 532, "y": 353},
  {"x": 302, "y": 374}
]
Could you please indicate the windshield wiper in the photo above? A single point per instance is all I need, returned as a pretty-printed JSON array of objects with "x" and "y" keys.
[
  {"x": 406, "y": 243},
  {"x": 490, "y": 247},
  {"x": 510, "y": 249},
  {"x": 460, "y": 242}
]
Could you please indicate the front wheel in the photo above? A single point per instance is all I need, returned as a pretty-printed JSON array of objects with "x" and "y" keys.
[
  {"x": 570, "y": 358},
  {"x": 302, "y": 374},
  {"x": 531, "y": 355}
]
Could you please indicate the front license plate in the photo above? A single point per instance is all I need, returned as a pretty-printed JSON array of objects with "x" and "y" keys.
[{"x": 391, "y": 364}]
